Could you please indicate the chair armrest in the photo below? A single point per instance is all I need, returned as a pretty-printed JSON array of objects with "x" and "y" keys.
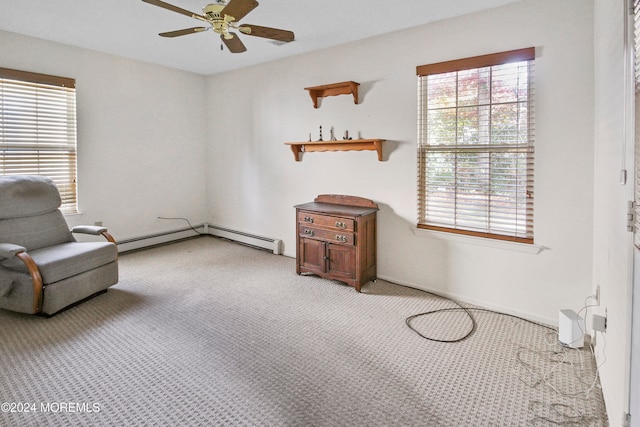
[
  {"x": 95, "y": 230},
  {"x": 9, "y": 250}
]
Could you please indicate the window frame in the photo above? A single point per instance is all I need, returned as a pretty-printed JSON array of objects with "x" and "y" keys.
[
  {"x": 41, "y": 107},
  {"x": 423, "y": 146}
]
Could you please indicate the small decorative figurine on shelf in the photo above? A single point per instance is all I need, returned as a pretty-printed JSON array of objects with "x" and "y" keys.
[
  {"x": 333, "y": 138},
  {"x": 320, "y": 134},
  {"x": 309, "y": 136},
  {"x": 346, "y": 135}
]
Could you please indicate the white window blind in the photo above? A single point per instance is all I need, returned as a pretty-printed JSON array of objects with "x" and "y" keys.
[
  {"x": 475, "y": 146},
  {"x": 38, "y": 129}
]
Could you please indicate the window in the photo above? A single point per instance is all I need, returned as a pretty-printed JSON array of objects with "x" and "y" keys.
[
  {"x": 475, "y": 146},
  {"x": 38, "y": 129}
]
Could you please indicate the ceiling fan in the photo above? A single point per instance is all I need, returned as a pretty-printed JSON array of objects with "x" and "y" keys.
[{"x": 222, "y": 16}]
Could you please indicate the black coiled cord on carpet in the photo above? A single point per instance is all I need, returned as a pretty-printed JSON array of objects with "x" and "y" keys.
[{"x": 467, "y": 310}]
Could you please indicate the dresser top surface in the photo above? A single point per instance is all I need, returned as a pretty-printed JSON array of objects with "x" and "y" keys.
[{"x": 335, "y": 209}]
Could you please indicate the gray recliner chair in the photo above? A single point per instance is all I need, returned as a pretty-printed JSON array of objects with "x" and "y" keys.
[{"x": 43, "y": 268}]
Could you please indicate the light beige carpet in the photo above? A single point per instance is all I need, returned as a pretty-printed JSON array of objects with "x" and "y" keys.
[{"x": 208, "y": 332}]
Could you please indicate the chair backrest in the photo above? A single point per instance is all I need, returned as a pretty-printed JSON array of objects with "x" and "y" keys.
[{"x": 29, "y": 214}]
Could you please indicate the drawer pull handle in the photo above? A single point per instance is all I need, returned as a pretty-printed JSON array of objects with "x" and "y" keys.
[
  {"x": 308, "y": 232},
  {"x": 341, "y": 238},
  {"x": 341, "y": 224},
  {"x": 308, "y": 219}
]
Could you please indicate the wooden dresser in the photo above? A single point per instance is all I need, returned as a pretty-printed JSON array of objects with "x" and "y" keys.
[{"x": 336, "y": 239}]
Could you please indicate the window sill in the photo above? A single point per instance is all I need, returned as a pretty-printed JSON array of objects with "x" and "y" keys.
[{"x": 479, "y": 241}]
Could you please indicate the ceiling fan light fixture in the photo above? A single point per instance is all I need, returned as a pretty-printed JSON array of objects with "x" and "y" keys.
[
  {"x": 212, "y": 11},
  {"x": 223, "y": 16}
]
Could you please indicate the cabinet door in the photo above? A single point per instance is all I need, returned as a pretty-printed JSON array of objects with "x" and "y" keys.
[
  {"x": 312, "y": 255},
  {"x": 341, "y": 262}
]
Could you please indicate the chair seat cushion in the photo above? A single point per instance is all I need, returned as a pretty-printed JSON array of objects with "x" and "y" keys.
[{"x": 67, "y": 259}]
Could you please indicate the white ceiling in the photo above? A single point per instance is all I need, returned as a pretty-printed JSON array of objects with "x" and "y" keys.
[{"x": 130, "y": 28}]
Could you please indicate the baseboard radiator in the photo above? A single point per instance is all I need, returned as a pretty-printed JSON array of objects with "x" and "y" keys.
[
  {"x": 149, "y": 240},
  {"x": 273, "y": 245},
  {"x": 141, "y": 242}
]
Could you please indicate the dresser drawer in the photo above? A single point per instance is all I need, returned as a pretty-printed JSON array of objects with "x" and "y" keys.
[
  {"x": 309, "y": 218},
  {"x": 344, "y": 238}
]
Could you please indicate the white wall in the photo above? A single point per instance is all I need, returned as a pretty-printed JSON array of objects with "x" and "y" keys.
[
  {"x": 254, "y": 181},
  {"x": 612, "y": 258},
  {"x": 141, "y": 135}
]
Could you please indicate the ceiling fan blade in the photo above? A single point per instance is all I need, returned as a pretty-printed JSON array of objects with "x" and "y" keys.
[
  {"x": 267, "y": 32},
  {"x": 175, "y": 9},
  {"x": 184, "y": 32},
  {"x": 233, "y": 43},
  {"x": 239, "y": 8}
]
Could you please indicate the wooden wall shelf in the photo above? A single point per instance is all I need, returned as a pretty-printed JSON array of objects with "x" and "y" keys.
[
  {"x": 343, "y": 88},
  {"x": 339, "y": 145}
]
